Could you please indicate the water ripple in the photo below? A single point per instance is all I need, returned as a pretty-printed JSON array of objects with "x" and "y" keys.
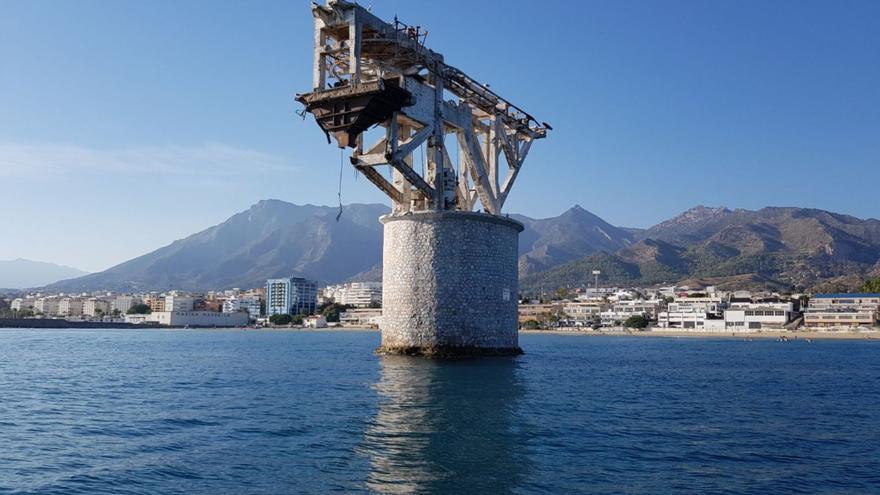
[{"x": 212, "y": 412}]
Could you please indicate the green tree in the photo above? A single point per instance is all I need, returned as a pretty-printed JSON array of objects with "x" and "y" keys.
[
  {"x": 331, "y": 311},
  {"x": 562, "y": 293},
  {"x": 531, "y": 324},
  {"x": 298, "y": 319},
  {"x": 139, "y": 309},
  {"x": 282, "y": 319},
  {"x": 636, "y": 321},
  {"x": 872, "y": 285}
]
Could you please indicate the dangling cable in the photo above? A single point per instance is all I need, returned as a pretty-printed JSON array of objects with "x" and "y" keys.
[{"x": 339, "y": 194}]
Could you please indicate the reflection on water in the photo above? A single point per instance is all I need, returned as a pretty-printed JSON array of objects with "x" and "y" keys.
[{"x": 445, "y": 427}]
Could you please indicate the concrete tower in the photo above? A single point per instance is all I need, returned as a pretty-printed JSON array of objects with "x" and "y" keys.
[{"x": 450, "y": 273}]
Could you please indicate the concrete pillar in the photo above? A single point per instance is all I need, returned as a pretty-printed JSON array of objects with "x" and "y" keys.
[{"x": 449, "y": 284}]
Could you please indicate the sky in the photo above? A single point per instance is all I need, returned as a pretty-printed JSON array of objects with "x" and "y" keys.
[{"x": 125, "y": 124}]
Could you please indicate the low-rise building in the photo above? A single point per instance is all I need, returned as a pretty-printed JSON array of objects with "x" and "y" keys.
[
  {"x": 843, "y": 310},
  {"x": 758, "y": 316},
  {"x": 365, "y": 317},
  {"x": 582, "y": 313},
  {"x": 711, "y": 305},
  {"x": 315, "y": 321},
  {"x": 198, "y": 319},
  {"x": 840, "y": 318},
  {"x": 538, "y": 312},
  {"x": 690, "y": 318}
]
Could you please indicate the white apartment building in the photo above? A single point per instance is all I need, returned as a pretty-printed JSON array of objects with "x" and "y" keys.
[
  {"x": 712, "y": 305},
  {"x": 124, "y": 303},
  {"x": 23, "y": 303},
  {"x": 47, "y": 306},
  {"x": 355, "y": 294},
  {"x": 70, "y": 307},
  {"x": 248, "y": 304},
  {"x": 95, "y": 307}
]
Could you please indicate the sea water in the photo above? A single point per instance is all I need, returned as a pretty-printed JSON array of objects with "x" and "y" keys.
[{"x": 260, "y": 412}]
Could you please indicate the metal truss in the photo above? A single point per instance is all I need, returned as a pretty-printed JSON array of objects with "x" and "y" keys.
[{"x": 371, "y": 73}]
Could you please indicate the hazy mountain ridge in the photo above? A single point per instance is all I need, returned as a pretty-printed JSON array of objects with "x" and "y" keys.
[
  {"x": 778, "y": 247},
  {"x": 21, "y": 273}
]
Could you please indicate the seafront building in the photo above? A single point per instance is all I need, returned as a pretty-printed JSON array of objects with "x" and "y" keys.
[
  {"x": 47, "y": 306},
  {"x": 367, "y": 317},
  {"x": 758, "y": 316},
  {"x": 291, "y": 296},
  {"x": 576, "y": 313},
  {"x": 156, "y": 303},
  {"x": 354, "y": 294},
  {"x": 175, "y": 302},
  {"x": 843, "y": 310},
  {"x": 197, "y": 319},
  {"x": 123, "y": 303},
  {"x": 95, "y": 307},
  {"x": 23, "y": 303},
  {"x": 247, "y": 304},
  {"x": 70, "y": 307}
]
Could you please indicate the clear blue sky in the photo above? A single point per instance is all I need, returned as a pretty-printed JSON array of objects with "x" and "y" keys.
[{"x": 127, "y": 124}]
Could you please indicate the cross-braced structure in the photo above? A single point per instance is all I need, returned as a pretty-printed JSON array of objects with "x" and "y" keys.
[{"x": 371, "y": 73}]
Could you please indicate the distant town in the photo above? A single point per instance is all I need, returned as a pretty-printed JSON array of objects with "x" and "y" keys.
[
  {"x": 288, "y": 301},
  {"x": 299, "y": 302}
]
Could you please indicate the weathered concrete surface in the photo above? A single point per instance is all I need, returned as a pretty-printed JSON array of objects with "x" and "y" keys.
[{"x": 449, "y": 284}]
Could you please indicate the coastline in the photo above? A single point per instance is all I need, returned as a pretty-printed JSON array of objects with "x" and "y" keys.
[
  {"x": 678, "y": 333},
  {"x": 580, "y": 332}
]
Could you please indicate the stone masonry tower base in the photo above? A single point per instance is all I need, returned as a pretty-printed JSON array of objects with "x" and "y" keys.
[{"x": 449, "y": 284}]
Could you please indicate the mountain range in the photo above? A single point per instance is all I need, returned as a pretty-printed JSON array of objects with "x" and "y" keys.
[
  {"x": 21, "y": 273},
  {"x": 783, "y": 248}
]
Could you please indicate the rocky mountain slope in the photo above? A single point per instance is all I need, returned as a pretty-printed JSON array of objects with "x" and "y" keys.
[
  {"x": 767, "y": 248},
  {"x": 790, "y": 248},
  {"x": 271, "y": 239}
]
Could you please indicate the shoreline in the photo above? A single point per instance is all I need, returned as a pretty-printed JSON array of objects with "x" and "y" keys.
[
  {"x": 580, "y": 332},
  {"x": 678, "y": 333}
]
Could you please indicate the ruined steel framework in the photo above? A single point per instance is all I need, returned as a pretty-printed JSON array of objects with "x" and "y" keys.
[{"x": 371, "y": 73}]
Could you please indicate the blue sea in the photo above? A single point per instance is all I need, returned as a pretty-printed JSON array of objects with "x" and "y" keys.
[{"x": 265, "y": 412}]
